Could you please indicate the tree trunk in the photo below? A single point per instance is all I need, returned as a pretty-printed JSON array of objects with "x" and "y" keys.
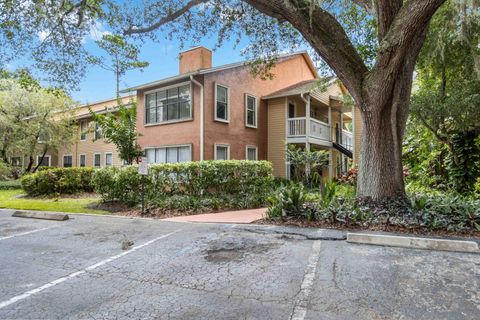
[{"x": 380, "y": 167}]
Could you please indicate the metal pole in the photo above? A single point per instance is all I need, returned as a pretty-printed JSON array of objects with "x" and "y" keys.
[{"x": 143, "y": 194}]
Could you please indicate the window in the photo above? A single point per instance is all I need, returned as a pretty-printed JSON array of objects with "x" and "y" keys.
[
  {"x": 67, "y": 161},
  {"x": 291, "y": 110},
  {"x": 168, "y": 105},
  {"x": 97, "y": 160},
  {"x": 83, "y": 130},
  {"x": 221, "y": 107},
  {"x": 82, "y": 160},
  {"x": 16, "y": 161},
  {"x": 169, "y": 154},
  {"x": 250, "y": 111},
  {"x": 222, "y": 152},
  {"x": 45, "y": 162},
  {"x": 252, "y": 153},
  {"x": 43, "y": 137},
  {"x": 98, "y": 131},
  {"x": 108, "y": 159}
]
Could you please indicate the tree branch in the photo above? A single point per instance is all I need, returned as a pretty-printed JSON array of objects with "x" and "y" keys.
[
  {"x": 325, "y": 35},
  {"x": 164, "y": 20},
  {"x": 386, "y": 10}
]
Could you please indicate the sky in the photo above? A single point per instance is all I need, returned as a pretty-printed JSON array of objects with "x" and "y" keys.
[{"x": 99, "y": 84}]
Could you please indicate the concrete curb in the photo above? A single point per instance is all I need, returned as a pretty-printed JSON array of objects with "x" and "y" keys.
[
  {"x": 414, "y": 242},
  {"x": 41, "y": 215}
]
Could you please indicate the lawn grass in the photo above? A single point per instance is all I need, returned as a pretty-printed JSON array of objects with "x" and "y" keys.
[{"x": 9, "y": 199}]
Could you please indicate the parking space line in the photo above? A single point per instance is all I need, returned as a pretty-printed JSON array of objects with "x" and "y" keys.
[
  {"x": 24, "y": 233},
  {"x": 300, "y": 308},
  {"x": 80, "y": 272}
]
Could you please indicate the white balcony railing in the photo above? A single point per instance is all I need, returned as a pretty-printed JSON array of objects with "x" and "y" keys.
[
  {"x": 320, "y": 130},
  {"x": 297, "y": 128},
  {"x": 347, "y": 139}
]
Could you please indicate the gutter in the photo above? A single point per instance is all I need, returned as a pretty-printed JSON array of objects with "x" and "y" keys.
[{"x": 201, "y": 115}]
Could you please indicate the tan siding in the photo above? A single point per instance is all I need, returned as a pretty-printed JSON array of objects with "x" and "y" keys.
[{"x": 276, "y": 135}]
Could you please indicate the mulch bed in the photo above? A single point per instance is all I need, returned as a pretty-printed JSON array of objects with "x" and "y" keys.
[{"x": 379, "y": 228}]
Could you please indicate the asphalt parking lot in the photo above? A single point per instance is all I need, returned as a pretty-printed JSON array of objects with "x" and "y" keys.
[{"x": 77, "y": 269}]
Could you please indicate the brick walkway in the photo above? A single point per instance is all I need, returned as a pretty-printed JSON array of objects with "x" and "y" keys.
[{"x": 241, "y": 216}]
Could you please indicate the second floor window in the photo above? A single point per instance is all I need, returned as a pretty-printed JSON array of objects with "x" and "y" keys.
[
  {"x": 83, "y": 130},
  {"x": 168, "y": 105},
  {"x": 98, "y": 132},
  {"x": 251, "y": 111},
  {"x": 221, "y": 103}
]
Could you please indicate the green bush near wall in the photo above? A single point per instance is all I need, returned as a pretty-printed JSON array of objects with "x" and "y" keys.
[
  {"x": 239, "y": 178},
  {"x": 58, "y": 180}
]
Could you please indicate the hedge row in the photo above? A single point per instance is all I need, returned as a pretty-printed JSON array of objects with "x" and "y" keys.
[
  {"x": 232, "y": 177},
  {"x": 58, "y": 180}
]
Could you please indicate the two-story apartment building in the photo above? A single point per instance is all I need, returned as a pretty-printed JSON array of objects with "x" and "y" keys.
[{"x": 225, "y": 112}]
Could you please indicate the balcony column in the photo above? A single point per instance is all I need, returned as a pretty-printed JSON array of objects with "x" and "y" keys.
[
  {"x": 330, "y": 121},
  {"x": 341, "y": 141},
  {"x": 307, "y": 130}
]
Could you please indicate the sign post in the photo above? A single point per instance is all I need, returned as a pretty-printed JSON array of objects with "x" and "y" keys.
[{"x": 143, "y": 171}]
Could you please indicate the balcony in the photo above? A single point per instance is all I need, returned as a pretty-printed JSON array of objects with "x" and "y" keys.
[
  {"x": 320, "y": 133},
  {"x": 297, "y": 129}
]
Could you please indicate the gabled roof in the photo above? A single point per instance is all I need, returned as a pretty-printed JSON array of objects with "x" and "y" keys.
[
  {"x": 217, "y": 69},
  {"x": 295, "y": 89}
]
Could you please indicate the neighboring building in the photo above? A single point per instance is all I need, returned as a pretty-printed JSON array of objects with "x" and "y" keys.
[
  {"x": 90, "y": 149},
  {"x": 207, "y": 113}
]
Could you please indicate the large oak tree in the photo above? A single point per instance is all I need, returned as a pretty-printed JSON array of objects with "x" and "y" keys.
[{"x": 380, "y": 85}]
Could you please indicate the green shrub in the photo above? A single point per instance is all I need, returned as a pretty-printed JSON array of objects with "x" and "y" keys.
[
  {"x": 244, "y": 183},
  {"x": 58, "y": 181},
  {"x": 10, "y": 185},
  {"x": 5, "y": 171}
]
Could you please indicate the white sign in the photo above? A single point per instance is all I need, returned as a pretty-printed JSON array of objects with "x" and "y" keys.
[{"x": 143, "y": 166}]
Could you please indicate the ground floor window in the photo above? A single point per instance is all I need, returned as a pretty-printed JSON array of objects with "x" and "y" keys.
[
  {"x": 222, "y": 152},
  {"x": 67, "y": 161},
  {"x": 16, "y": 161},
  {"x": 252, "y": 153},
  {"x": 169, "y": 154},
  {"x": 82, "y": 160},
  {"x": 97, "y": 160},
  {"x": 45, "y": 162},
  {"x": 108, "y": 159}
]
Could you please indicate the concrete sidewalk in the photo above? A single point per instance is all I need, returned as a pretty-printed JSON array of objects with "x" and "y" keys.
[{"x": 240, "y": 216}]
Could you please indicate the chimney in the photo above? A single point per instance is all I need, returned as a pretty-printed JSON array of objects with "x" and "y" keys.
[{"x": 195, "y": 59}]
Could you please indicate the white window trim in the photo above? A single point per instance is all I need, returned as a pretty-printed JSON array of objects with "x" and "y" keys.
[
  {"x": 63, "y": 159},
  {"x": 222, "y": 145},
  {"x": 215, "y": 103},
  {"x": 247, "y": 95},
  {"x": 79, "y": 157},
  {"x": 93, "y": 164},
  {"x": 46, "y": 156},
  {"x": 22, "y": 160},
  {"x": 189, "y": 145},
  {"x": 105, "y": 160},
  {"x": 251, "y": 147},
  {"x": 86, "y": 130},
  {"x": 145, "y": 124}
]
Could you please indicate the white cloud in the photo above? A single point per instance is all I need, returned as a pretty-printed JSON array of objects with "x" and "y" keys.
[{"x": 97, "y": 32}]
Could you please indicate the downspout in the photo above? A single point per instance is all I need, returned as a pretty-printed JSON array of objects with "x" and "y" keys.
[{"x": 201, "y": 115}]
